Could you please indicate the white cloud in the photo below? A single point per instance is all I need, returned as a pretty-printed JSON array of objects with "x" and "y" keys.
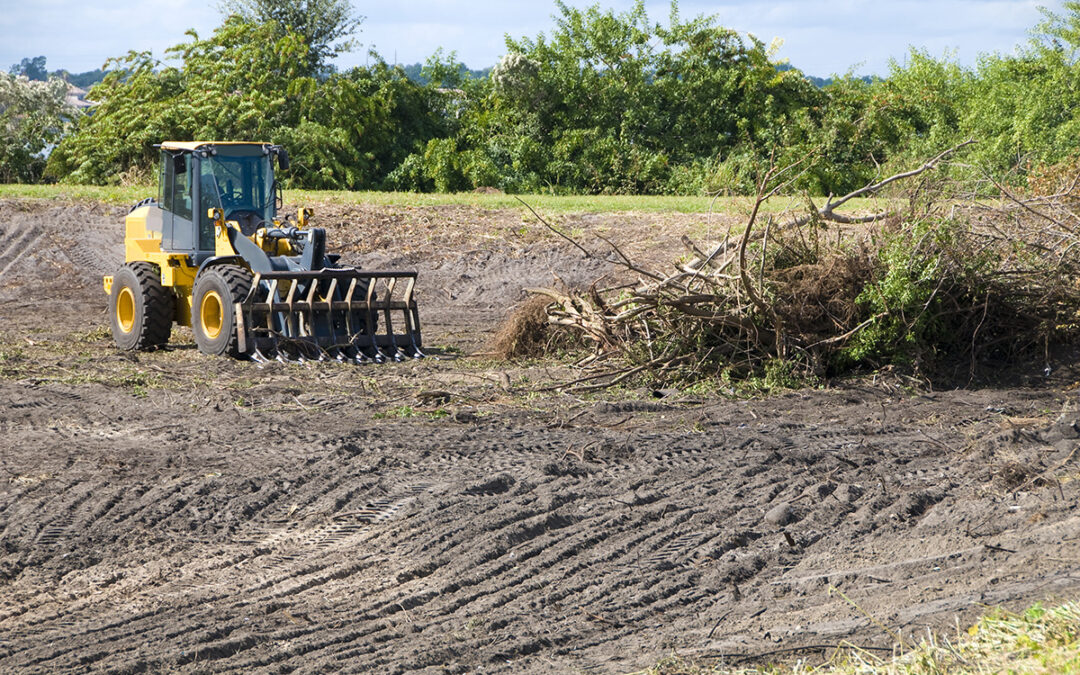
[
  {"x": 820, "y": 36},
  {"x": 824, "y": 37}
]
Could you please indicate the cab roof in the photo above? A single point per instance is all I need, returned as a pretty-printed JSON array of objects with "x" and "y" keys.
[{"x": 191, "y": 146}]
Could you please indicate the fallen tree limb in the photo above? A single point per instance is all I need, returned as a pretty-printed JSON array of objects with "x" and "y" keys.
[{"x": 776, "y": 301}]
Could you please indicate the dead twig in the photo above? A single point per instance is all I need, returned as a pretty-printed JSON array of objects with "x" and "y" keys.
[{"x": 554, "y": 229}]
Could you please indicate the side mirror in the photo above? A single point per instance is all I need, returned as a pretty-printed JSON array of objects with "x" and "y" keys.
[{"x": 283, "y": 159}]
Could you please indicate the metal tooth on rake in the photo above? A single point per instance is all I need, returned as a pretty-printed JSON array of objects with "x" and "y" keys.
[
  {"x": 416, "y": 353},
  {"x": 343, "y": 353},
  {"x": 358, "y": 355},
  {"x": 276, "y": 345}
]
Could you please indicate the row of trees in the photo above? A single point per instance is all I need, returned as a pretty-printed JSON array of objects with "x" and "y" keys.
[
  {"x": 605, "y": 102},
  {"x": 34, "y": 69}
]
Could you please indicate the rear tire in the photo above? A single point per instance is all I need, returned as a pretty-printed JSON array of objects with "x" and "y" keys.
[
  {"x": 213, "y": 313},
  {"x": 140, "y": 308}
]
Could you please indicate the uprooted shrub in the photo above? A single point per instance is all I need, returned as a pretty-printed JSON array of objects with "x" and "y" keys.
[
  {"x": 526, "y": 332},
  {"x": 940, "y": 290}
]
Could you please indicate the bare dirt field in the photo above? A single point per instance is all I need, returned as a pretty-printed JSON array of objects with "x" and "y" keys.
[{"x": 170, "y": 511}]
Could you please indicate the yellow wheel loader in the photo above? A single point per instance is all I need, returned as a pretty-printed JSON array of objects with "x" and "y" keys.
[{"x": 211, "y": 252}]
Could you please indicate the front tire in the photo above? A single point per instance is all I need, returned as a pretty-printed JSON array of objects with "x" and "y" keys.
[
  {"x": 140, "y": 308},
  {"x": 213, "y": 314}
]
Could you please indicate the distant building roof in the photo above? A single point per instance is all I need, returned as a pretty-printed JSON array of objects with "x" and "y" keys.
[{"x": 76, "y": 97}]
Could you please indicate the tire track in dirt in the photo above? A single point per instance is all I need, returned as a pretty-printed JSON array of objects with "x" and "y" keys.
[
  {"x": 484, "y": 575},
  {"x": 172, "y": 532},
  {"x": 299, "y": 578},
  {"x": 18, "y": 250},
  {"x": 518, "y": 524}
]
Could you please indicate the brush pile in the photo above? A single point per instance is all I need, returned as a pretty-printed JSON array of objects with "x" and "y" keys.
[{"x": 937, "y": 284}]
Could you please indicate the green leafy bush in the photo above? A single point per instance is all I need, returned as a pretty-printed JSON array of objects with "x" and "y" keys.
[
  {"x": 605, "y": 102},
  {"x": 245, "y": 82}
]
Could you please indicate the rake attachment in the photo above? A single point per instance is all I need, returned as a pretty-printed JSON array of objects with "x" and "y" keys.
[{"x": 339, "y": 314}]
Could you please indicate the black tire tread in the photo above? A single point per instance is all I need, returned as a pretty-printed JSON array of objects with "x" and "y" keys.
[
  {"x": 238, "y": 281},
  {"x": 142, "y": 202},
  {"x": 157, "y": 306}
]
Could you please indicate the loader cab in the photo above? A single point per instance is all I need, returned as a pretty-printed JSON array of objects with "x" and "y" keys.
[{"x": 237, "y": 178}]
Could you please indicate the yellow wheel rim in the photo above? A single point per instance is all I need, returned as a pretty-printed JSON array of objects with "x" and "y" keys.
[
  {"x": 210, "y": 314},
  {"x": 125, "y": 309}
]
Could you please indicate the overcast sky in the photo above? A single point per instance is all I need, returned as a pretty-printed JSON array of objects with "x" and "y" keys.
[{"x": 822, "y": 37}]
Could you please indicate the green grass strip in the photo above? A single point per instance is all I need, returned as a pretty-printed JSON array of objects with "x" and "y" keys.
[{"x": 124, "y": 195}]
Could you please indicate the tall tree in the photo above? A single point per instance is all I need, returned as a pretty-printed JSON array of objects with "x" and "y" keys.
[
  {"x": 327, "y": 26},
  {"x": 33, "y": 69}
]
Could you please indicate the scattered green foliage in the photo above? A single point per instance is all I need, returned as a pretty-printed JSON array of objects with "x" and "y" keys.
[
  {"x": 1040, "y": 639},
  {"x": 407, "y": 411},
  {"x": 401, "y": 411},
  {"x": 93, "y": 335}
]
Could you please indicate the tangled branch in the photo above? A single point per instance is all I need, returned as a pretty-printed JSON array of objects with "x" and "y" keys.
[{"x": 943, "y": 284}]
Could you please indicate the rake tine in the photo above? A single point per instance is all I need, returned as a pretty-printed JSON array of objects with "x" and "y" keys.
[
  {"x": 258, "y": 356},
  {"x": 333, "y": 351},
  {"x": 412, "y": 318},
  {"x": 395, "y": 352}
]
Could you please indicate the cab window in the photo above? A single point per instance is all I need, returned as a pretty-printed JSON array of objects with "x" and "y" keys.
[{"x": 175, "y": 194}]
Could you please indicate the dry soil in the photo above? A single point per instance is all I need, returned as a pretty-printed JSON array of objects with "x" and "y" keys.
[{"x": 171, "y": 511}]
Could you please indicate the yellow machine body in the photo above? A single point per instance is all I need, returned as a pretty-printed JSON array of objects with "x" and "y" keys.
[
  {"x": 210, "y": 252},
  {"x": 144, "y": 244}
]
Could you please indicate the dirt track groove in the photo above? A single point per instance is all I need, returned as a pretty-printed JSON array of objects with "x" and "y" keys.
[{"x": 177, "y": 512}]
